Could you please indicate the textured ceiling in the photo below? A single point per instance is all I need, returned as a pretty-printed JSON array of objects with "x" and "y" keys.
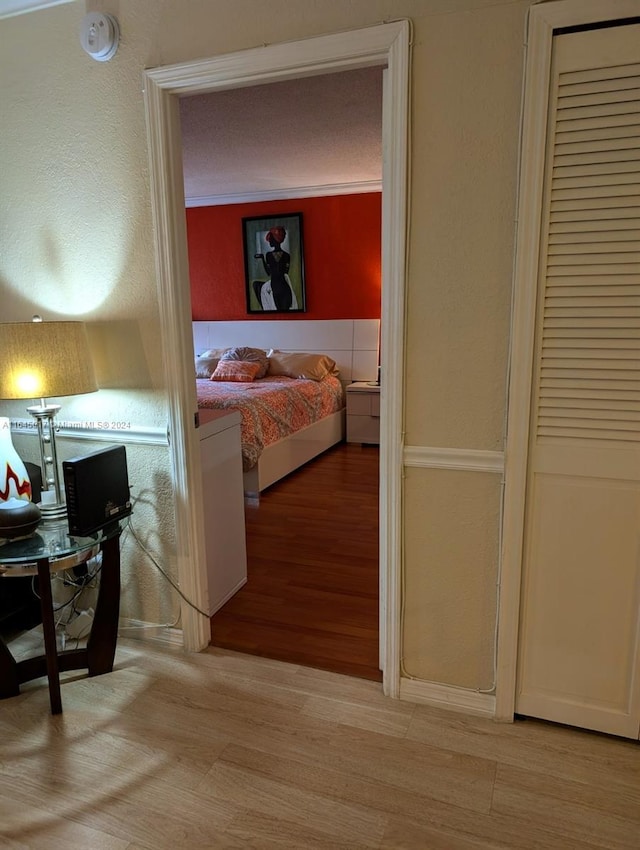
[{"x": 323, "y": 131}]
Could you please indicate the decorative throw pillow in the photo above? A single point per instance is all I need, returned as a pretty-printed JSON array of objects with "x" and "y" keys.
[
  {"x": 249, "y": 355},
  {"x": 207, "y": 361},
  {"x": 313, "y": 367},
  {"x": 205, "y": 366},
  {"x": 235, "y": 370}
]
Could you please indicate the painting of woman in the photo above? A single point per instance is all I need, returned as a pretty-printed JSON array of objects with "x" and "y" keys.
[
  {"x": 276, "y": 293},
  {"x": 274, "y": 266}
]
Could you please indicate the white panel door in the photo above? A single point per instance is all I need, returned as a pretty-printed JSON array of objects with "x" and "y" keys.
[{"x": 579, "y": 647}]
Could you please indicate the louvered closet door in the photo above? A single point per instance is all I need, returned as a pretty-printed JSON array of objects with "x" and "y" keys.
[{"x": 579, "y": 641}]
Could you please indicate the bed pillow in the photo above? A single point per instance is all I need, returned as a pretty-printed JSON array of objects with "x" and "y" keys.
[
  {"x": 207, "y": 361},
  {"x": 313, "y": 367},
  {"x": 249, "y": 355},
  {"x": 236, "y": 370}
]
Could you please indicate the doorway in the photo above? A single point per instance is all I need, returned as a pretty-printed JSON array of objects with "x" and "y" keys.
[
  {"x": 311, "y": 595},
  {"x": 386, "y": 45}
]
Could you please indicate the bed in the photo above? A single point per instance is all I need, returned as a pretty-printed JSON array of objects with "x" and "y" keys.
[{"x": 291, "y": 406}]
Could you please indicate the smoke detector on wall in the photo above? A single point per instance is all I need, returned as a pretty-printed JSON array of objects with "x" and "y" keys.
[{"x": 99, "y": 35}]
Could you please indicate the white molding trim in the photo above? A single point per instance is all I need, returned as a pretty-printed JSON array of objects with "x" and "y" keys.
[
  {"x": 172, "y": 269},
  {"x": 447, "y": 696},
  {"x": 138, "y": 434},
  {"x": 328, "y": 190},
  {"x": 349, "y": 49},
  {"x": 382, "y": 45},
  {"x": 139, "y": 630},
  {"x": 11, "y": 8},
  {"x": 543, "y": 18},
  {"x": 573, "y": 13},
  {"x": 395, "y": 178},
  {"x": 471, "y": 460}
]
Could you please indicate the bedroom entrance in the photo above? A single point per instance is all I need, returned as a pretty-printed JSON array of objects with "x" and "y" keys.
[
  {"x": 386, "y": 45},
  {"x": 311, "y": 591}
]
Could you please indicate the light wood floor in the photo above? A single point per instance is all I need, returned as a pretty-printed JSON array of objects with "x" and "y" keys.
[
  {"x": 219, "y": 750},
  {"x": 312, "y": 563}
]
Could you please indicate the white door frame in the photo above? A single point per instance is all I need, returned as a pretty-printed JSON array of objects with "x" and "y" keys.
[
  {"x": 543, "y": 19},
  {"x": 383, "y": 45}
]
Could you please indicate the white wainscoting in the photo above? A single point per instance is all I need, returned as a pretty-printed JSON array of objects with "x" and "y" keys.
[
  {"x": 352, "y": 343},
  {"x": 433, "y": 693}
]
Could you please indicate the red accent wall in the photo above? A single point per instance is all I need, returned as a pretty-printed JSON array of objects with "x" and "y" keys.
[{"x": 341, "y": 242}]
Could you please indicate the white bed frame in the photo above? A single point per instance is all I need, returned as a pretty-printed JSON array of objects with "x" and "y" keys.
[
  {"x": 290, "y": 453},
  {"x": 352, "y": 343}
]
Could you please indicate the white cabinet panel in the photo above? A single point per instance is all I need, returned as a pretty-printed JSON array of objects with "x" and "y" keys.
[{"x": 223, "y": 505}]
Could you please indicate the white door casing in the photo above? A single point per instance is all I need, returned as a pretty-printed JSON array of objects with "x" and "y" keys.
[
  {"x": 583, "y": 494},
  {"x": 386, "y": 45}
]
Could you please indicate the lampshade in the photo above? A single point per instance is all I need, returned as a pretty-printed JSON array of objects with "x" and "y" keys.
[{"x": 45, "y": 360}]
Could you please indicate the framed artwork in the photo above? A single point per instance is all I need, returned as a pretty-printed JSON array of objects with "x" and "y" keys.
[{"x": 274, "y": 263}]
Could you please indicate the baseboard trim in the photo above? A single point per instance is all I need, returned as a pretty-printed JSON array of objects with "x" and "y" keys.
[
  {"x": 447, "y": 696},
  {"x": 139, "y": 630}
]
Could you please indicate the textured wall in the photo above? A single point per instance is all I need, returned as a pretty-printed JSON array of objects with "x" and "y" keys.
[
  {"x": 76, "y": 238},
  {"x": 341, "y": 239}
]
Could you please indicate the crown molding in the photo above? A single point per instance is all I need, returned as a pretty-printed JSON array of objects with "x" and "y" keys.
[
  {"x": 11, "y": 8},
  {"x": 286, "y": 194}
]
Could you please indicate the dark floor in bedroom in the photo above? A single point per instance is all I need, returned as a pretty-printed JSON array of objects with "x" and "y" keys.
[{"x": 311, "y": 596}]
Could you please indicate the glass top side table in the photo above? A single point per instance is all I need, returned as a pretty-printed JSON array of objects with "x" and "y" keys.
[{"x": 48, "y": 550}]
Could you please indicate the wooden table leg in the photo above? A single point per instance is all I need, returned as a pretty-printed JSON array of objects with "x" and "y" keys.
[
  {"x": 49, "y": 631},
  {"x": 101, "y": 647},
  {"x": 9, "y": 682}
]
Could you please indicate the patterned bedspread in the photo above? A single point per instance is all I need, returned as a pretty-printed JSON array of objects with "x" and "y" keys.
[{"x": 272, "y": 408}]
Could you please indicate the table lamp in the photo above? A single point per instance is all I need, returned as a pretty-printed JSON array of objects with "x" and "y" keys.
[{"x": 41, "y": 360}]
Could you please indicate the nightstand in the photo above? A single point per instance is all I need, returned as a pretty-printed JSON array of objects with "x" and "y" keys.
[{"x": 363, "y": 413}]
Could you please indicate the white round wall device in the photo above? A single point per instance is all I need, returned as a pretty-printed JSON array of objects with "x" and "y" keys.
[{"x": 99, "y": 35}]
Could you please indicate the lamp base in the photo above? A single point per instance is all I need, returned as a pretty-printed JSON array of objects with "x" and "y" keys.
[
  {"x": 52, "y": 504},
  {"x": 53, "y": 511}
]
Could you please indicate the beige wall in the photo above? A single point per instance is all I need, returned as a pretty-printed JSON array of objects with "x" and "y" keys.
[
  {"x": 451, "y": 551},
  {"x": 467, "y": 73},
  {"x": 76, "y": 240}
]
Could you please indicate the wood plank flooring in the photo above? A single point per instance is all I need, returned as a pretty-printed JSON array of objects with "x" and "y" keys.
[
  {"x": 223, "y": 751},
  {"x": 312, "y": 550}
]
